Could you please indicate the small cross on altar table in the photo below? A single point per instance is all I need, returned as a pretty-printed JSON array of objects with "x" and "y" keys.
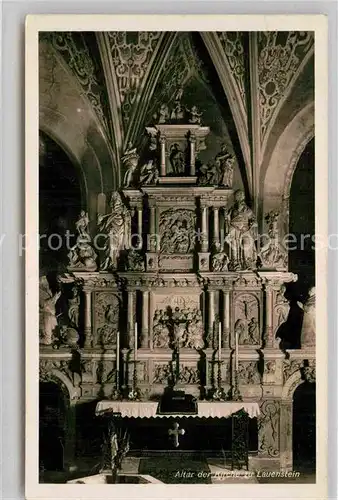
[{"x": 175, "y": 432}]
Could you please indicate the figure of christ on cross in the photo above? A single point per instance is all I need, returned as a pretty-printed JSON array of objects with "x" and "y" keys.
[{"x": 175, "y": 433}]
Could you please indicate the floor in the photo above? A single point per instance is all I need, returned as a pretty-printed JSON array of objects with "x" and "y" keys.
[
  {"x": 189, "y": 471},
  {"x": 218, "y": 473}
]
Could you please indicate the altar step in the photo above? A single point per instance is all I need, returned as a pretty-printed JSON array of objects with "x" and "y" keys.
[{"x": 214, "y": 472}]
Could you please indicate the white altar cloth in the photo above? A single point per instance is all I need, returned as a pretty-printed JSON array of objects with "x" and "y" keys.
[{"x": 206, "y": 409}]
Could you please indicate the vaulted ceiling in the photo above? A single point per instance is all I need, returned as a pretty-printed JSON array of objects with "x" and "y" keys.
[{"x": 248, "y": 85}]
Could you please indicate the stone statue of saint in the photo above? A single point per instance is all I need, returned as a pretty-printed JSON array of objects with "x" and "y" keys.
[
  {"x": 149, "y": 173},
  {"x": 282, "y": 307},
  {"x": 130, "y": 161},
  {"x": 225, "y": 165},
  {"x": 272, "y": 255},
  {"x": 73, "y": 307},
  {"x": 208, "y": 174},
  {"x": 308, "y": 332},
  {"x": 82, "y": 255},
  {"x": 242, "y": 234},
  {"x": 177, "y": 161},
  {"x": 219, "y": 260},
  {"x": 135, "y": 261},
  {"x": 47, "y": 312},
  {"x": 116, "y": 226}
]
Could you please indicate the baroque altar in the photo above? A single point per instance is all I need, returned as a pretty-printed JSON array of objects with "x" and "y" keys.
[{"x": 177, "y": 294}]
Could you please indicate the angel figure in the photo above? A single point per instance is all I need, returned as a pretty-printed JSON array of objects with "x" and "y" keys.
[
  {"x": 195, "y": 116},
  {"x": 47, "y": 312},
  {"x": 82, "y": 225},
  {"x": 225, "y": 165},
  {"x": 163, "y": 114},
  {"x": 130, "y": 161}
]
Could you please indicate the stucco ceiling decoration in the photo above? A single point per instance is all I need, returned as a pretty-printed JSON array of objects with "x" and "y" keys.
[
  {"x": 74, "y": 50},
  {"x": 176, "y": 63},
  {"x": 281, "y": 57},
  {"x": 175, "y": 73},
  {"x": 233, "y": 46},
  {"x": 132, "y": 53}
]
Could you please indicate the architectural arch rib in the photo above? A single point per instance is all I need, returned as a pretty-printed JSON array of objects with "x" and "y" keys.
[
  {"x": 231, "y": 91},
  {"x": 154, "y": 72}
]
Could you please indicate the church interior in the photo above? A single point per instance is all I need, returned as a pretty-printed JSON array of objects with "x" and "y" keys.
[{"x": 177, "y": 268}]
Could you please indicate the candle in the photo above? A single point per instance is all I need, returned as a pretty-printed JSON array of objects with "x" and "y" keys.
[
  {"x": 219, "y": 340},
  {"x": 236, "y": 350},
  {"x": 101, "y": 204},
  {"x": 177, "y": 366},
  {"x": 117, "y": 358},
  {"x": 135, "y": 343}
]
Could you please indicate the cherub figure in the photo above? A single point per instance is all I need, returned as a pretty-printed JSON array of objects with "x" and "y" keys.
[{"x": 195, "y": 116}]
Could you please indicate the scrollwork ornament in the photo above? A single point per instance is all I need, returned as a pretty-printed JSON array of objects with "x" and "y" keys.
[{"x": 73, "y": 48}]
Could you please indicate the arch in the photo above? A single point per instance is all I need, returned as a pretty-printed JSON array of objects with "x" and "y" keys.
[
  {"x": 63, "y": 143},
  {"x": 66, "y": 115},
  {"x": 235, "y": 101},
  {"x": 284, "y": 159},
  {"x": 294, "y": 381},
  {"x": 72, "y": 141},
  {"x": 61, "y": 380}
]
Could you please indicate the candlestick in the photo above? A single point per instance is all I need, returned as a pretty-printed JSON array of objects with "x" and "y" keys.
[
  {"x": 219, "y": 340},
  {"x": 236, "y": 351}
]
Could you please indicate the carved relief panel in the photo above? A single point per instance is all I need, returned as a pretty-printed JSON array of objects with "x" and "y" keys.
[
  {"x": 247, "y": 319},
  {"x": 177, "y": 321},
  {"x": 188, "y": 374},
  {"x": 248, "y": 373},
  {"x": 268, "y": 428},
  {"x": 106, "y": 319},
  {"x": 106, "y": 372},
  {"x": 177, "y": 231}
]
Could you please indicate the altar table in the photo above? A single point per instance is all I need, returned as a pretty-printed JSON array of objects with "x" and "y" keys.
[
  {"x": 206, "y": 432},
  {"x": 206, "y": 409}
]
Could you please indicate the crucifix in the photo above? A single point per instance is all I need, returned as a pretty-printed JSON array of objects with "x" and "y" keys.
[{"x": 175, "y": 432}]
